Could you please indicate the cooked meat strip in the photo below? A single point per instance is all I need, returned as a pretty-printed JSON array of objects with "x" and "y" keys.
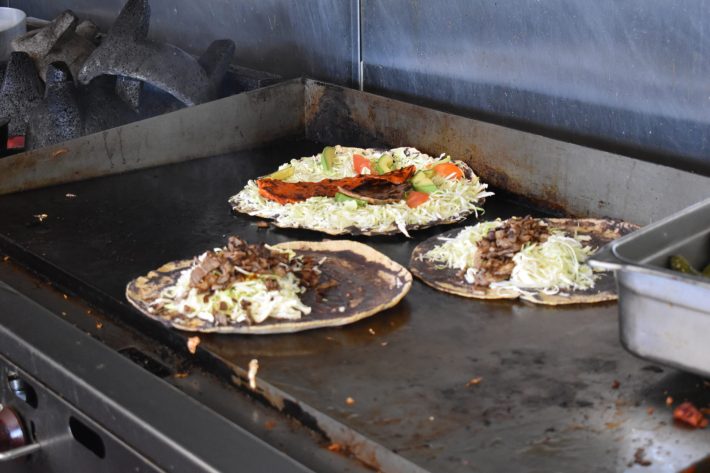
[
  {"x": 218, "y": 270},
  {"x": 290, "y": 192},
  {"x": 378, "y": 193},
  {"x": 494, "y": 258}
]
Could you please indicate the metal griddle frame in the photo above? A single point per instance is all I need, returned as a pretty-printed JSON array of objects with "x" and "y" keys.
[
  {"x": 562, "y": 176},
  {"x": 55, "y": 357}
]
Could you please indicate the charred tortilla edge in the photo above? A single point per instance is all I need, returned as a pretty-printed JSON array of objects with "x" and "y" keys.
[
  {"x": 602, "y": 231},
  {"x": 137, "y": 287}
]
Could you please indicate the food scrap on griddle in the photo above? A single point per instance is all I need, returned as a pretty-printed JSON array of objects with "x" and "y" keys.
[
  {"x": 688, "y": 414},
  {"x": 192, "y": 343}
]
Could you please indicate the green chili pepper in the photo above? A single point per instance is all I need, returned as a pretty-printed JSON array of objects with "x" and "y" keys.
[{"x": 679, "y": 263}]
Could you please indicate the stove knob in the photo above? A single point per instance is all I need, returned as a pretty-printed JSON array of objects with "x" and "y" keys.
[
  {"x": 13, "y": 442},
  {"x": 11, "y": 433}
]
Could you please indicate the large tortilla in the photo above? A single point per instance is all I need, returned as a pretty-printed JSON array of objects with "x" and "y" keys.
[
  {"x": 600, "y": 232},
  {"x": 369, "y": 282},
  {"x": 241, "y": 206}
]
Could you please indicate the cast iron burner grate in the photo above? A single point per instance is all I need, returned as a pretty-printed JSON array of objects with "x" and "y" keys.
[{"x": 66, "y": 79}]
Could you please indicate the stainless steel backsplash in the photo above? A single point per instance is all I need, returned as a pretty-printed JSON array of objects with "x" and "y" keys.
[{"x": 629, "y": 76}]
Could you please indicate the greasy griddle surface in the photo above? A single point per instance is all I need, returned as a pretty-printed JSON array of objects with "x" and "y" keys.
[{"x": 544, "y": 402}]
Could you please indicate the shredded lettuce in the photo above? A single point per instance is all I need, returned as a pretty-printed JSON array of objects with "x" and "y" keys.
[{"x": 452, "y": 198}]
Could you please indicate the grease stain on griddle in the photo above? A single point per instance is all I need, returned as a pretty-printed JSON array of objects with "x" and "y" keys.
[
  {"x": 332, "y": 122},
  {"x": 295, "y": 411}
]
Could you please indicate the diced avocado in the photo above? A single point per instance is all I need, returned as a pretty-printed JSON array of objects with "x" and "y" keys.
[
  {"x": 422, "y": 183},
  {"x": 447, "y": 159},
  {"x": 340, "y": 197},
  {"x": 328, "y": 158},
  {"x": 418, "y": 176},
  {"x": 282, "y": 174},
  {"x": 427, "y": 187},
  {"x": 429, "y": 173},
  {"x": 384, "y": 164}
]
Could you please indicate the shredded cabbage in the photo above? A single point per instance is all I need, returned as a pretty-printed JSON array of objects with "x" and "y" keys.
[
  {"x": 283, "y": 303},
  {"x": 556, "y": 264},
  {"x": 548, "y": 267},
  {"x": 452, "y": 198},
  {"x": 459, "y": 252}
]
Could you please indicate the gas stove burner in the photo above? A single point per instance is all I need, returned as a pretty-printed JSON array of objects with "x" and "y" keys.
[
  {"x": 63, "y": 40},
  {"x": 68, "y": 111},
  {"x": 126, "y": 52},
  {"x": 56, "y": 118},
  {"x": 96, "y": 82},
  {"x": 21, "y": 89}
]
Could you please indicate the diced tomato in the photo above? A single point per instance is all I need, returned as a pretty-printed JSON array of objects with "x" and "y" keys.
[
  {"x": 447, "y": 169},
  {"x": 416, "y": 198},
  {"x": 360, "y": 163},
  {"x": 690, "y": 415}
]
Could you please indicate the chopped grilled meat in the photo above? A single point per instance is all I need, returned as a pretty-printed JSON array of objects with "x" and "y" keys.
[
  {"x": 309, "y": 276},
  {"x": 203, "y": 268},
  {"x": 290, "y": 192},
  {"x": 239, "y": 261},
  {"x": 494, "y": 258},
  {"x": 378, "y": 193},
  {"x": 271, "y": 284}
]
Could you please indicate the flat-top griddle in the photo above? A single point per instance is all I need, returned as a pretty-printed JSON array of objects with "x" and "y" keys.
[
  {"x": 545, "y": 400},
  {"x": 439, "y": 383}
]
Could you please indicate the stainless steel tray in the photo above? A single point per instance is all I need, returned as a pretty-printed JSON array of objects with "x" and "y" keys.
[{"x": 664, "y": 315}]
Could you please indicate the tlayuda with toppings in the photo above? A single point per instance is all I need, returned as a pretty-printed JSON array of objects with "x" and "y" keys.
[
  {"x": 538, "y": 260},
  {"x": 261, "y": 289},
  {"x": 345, "y": 190}
]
